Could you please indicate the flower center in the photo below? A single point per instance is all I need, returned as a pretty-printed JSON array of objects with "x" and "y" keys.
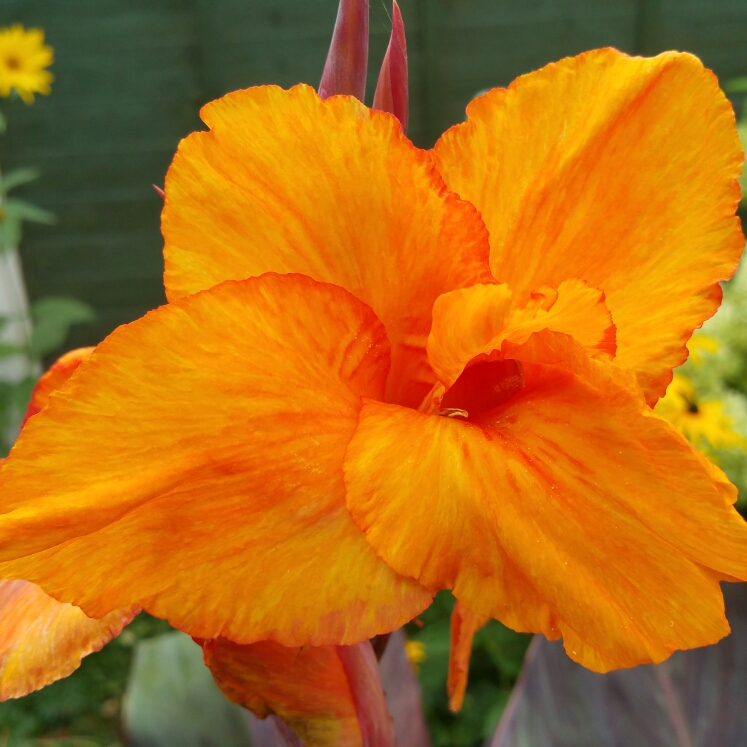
[
  {"x": 13, "y": 63},
  {"x": 482, "y": 387}
]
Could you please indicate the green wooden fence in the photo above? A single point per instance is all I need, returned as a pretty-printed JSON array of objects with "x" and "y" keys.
[{"x": 131, "y": 75}]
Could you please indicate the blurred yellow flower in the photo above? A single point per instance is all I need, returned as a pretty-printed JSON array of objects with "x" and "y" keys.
[
  {"x": 415, "y": 651},
  {"x": 704, "y": 423},
  {"x": 23, "y": 57},
  {"x": 699, "y": 344}
]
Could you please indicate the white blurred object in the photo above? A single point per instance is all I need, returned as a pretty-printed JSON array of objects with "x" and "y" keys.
[{"x": 14, "y": 307}]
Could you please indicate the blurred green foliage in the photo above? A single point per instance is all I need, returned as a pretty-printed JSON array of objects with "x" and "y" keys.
[
  {"x": 51, "y": 320},
  {"x": 497, "y": 656}
]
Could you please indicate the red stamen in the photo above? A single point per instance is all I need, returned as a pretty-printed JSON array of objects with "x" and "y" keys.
[
  {"x": 160, "y": 191},
  {"x": 347, "y": 59},
  {"x": 392, "y": 89}
]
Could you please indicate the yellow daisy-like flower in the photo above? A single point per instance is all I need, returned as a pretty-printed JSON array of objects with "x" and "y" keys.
[
  {"x": 415, "y": 651},
  {"x": 704, "y": 423},
  {"x": 698, "y": 346},
  {"x": 23, "y": 59}
]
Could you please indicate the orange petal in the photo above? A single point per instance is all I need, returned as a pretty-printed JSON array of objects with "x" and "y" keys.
[
  {"x": 306, "y": 687},
  {"x": 571, "y": 508},
  {"x": 464, "y": 625},
  {"x": 475, "y": 321},
  {"x": 309, "y": 688},
  {"x": 622, "y": 172},
  {"x": 54, "y": 378},
  {"x": 194, "y": 466},
  {"x": 42, "y": 640},
  {"x": 285, "y": 182}
]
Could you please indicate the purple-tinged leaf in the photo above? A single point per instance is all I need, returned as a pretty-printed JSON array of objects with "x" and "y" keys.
[
  {"x": 403, "y": 694},
  {"x": 392, "y": 90},
  {"x": 347, "y": 59},
  {"x": 694, "y": 699}
]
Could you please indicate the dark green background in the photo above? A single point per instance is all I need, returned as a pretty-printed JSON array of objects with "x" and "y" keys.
[{"x": 131, "y": 75}]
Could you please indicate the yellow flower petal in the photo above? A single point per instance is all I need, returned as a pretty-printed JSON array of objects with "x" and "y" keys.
[
  {"x": 23, "y": 57},
  {"x": 704, "y": 423}
]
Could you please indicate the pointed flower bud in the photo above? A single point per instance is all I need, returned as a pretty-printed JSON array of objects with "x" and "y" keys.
[
  {"x": 347, "y": 59},
  {"x": 392, "y": 89}
]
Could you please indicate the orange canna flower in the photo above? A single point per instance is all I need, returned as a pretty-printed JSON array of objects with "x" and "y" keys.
[{"x": 384, "y": 371}]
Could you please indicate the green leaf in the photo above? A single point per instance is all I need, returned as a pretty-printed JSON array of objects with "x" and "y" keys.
[
  {"x": 15, "y": 178},
  {"x": 10, "y": 232},
  {"x": 735, "y": 85},
  {"x": 21, "y": 393},
  {"x": 53, "y": 318},
  {"x": 7, "y": 350},
  {"x": 13, "y": 212},
  {"x": 3, "y": 124},
  {"x": 23, "y": 210}
]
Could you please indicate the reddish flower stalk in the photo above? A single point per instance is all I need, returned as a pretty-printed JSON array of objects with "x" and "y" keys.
[
  {"x": 392, "y": 89},
  {"x": 364, "y": 679},
  {"x": 347, "y": 59}
]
